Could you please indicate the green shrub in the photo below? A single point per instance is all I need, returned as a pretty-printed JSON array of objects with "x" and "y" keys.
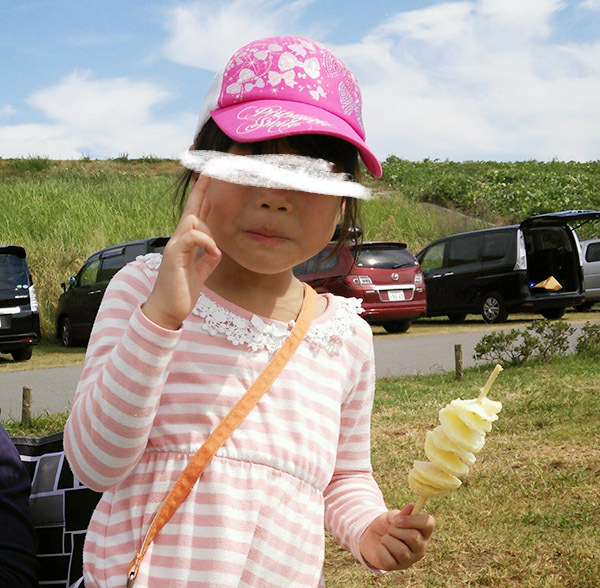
[
  {"x": 543, "y": 339},
  {"x": 513, "y": 347},
  {"x": 32, "y": 163},
  {"x": 552, "y": 337},
  {"x": 588, "y": 342},
  {"x": 498, "y": 190}
]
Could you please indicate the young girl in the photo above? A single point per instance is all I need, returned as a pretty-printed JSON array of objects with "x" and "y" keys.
[{"x": 179, "y": 339}]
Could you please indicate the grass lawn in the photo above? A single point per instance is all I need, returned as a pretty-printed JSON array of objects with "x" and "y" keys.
[
  {"x": 527, "y": 515},
  {"x": 46, "y": 355}
]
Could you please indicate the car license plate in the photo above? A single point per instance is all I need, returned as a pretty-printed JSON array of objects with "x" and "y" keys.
[{"x": 394, "y": 295}]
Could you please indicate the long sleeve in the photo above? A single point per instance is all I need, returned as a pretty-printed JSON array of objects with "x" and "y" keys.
[
  {"x": 18, "y": 563},
  {"x": 117, "y": 397},
  {"x": 352, "y": 498}
]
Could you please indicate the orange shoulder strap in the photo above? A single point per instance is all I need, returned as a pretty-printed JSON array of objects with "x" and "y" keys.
[{"x": 226, "y": 427}]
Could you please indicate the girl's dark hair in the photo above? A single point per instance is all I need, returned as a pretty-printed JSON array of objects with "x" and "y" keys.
[{"x": 337, "y": 151}]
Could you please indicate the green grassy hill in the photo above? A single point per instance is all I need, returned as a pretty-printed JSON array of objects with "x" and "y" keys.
[{"x": 63, "y": 211}]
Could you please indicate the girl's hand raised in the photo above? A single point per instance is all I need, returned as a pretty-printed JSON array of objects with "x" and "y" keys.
[
  {"x": 184, "y": 268},
  {"x": 396, "y": 540}
]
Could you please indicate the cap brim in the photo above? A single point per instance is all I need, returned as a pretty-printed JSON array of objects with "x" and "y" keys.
[{"x": 273, "y": 119}]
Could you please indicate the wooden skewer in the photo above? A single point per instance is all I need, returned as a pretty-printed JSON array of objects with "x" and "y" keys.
[
  {"x": 419, "y": 506},
  {"x": 483, "y": 391}
]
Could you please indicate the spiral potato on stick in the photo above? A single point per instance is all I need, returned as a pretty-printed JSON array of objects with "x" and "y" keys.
[{"x": 452, "y": 445}]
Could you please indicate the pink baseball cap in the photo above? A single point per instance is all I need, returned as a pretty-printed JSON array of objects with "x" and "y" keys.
[{"x": 288, "y": 85}]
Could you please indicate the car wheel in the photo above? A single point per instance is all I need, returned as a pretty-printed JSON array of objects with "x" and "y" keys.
[
  {"x": 553, "y": 313},
  {"x": 457, "y": 317},
  {"x": 66, "y": 332},
  {"x": 584, "y": 307},
  {"x": 493, "y": 309},
  {"x": 22, "y": 354},
  {"x": 397, "y": 326}
]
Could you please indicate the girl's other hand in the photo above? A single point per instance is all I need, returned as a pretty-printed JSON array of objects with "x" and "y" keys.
[
  {"x": 396, "y": 540},
  {"x": 184, "y": 268}
]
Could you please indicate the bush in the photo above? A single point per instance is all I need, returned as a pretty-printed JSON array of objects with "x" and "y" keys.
[
  {"x": 552, "y": 337},
  {"x": 32, "y": 163},
  {"x": 542, "y": 340},
  {"x": 513, "y": 347},
  {"x": 588, "y": 342}
]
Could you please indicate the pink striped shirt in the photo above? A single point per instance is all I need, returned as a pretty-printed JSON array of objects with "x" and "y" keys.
[{"x": 147, "y": 399}]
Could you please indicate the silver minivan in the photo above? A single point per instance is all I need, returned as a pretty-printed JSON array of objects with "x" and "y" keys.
[
  {"x": 533, "y": 267},
  {"x": 590, "y": 252}
]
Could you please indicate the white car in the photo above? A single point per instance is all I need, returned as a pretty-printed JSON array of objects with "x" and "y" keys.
[{"x": 590, "y": 253}]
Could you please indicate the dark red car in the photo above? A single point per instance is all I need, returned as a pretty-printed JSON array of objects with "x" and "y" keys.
[{"x": 385, "y": 275}]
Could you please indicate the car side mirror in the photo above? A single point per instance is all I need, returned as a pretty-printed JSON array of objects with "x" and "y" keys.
[{"x": 72, "y": 281}]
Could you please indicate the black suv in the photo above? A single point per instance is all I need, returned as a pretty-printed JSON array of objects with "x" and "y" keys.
[
  {"x": 19, "y": 316},
  {"x": 78, "y": 305},
  {"x": 532, "y": 267}
]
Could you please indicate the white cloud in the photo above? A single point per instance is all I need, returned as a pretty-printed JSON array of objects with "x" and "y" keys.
[
  {"x": 7, "y": 110},
  {"x": 590, "y": 4},
  {"x": 585, "y": 58},
  {"x": 471, "y": 79},
  {"x": 204, "y": 34},
  {"x": 435, "y": 25},
  {"x": 478, "y": 80},
  {"x": 529, "y": 19},
  {"x": 103, "y": 117},
  {"x": 45, "y": 140}
]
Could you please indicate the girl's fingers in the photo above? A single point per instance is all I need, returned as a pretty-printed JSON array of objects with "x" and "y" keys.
[
  {"x": 196, "y": 196},
  {"x": 195, "y": 238},
  {"x": 398, "y": 551},
  {"x": 195, "y": 212}
]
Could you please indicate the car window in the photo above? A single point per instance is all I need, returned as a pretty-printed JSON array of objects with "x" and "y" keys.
[
  {"x": 325, "y": 261},
  {"x": 110, "y": 266},
  {"x": 593, "y": 252},
  {"x": 88, "y": 273},
  {"x": 496, "y": 245},
  {"x": 553, "y": 238},
  {"x": 12, "y": 272},
  {"x": 384, "y": 257},
  {"x": 132, "y": 251},
  {"x": 321, "y": 262},
  {"x": 464, "y": 250},
  {"x": 433, "y": 258}
]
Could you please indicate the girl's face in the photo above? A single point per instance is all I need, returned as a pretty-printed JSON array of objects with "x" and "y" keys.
[{"x": 266, "y": 230}]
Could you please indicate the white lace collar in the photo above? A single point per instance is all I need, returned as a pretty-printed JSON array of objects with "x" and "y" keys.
[{"x": 245, "y": 328}]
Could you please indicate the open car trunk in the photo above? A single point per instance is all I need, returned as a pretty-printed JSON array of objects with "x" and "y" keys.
[
  {"x": 551, "y": 254},
  {"x": 552, "y": 247}
]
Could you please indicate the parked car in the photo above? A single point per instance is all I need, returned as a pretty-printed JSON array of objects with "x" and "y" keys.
[
  {"x": 532, "y": 267},
  {"x": 384, "y": 275},
  {"x": 19, "y": 315},
  {"x": 79, "y": 303},
  {"x": 590, "y": 252}
]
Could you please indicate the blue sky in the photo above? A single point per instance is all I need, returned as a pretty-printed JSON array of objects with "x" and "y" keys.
[{"x": 502, "y": 80}]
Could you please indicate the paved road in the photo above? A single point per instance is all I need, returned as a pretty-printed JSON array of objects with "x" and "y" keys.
[
  {"x": 407, "y": 354},
  {"x": 51, "y": 390},
  {"x": 402, "y": 355}
]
